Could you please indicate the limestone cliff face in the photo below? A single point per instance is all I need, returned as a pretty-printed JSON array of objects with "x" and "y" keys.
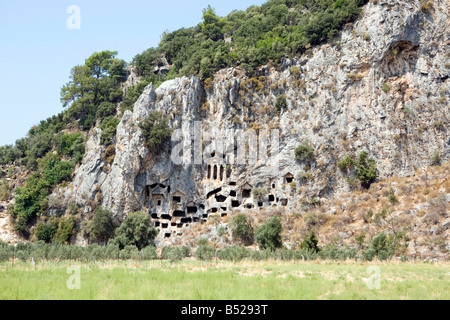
[{"x": 383, "y": 89}]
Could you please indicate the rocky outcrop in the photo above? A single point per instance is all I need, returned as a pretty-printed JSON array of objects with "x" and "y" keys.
[{"x": 384, "y": 88}]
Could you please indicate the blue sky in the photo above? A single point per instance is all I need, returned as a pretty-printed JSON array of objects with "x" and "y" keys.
[{"x": 37, "y": 50}]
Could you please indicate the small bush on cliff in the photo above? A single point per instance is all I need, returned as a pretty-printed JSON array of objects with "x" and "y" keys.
[
  {"x": 259, "y": 193},
  {"x": 281, "y": 103},
  {"x": 346, "y": 163},
  {"x": 366, "y": 170},
  {"x": 436, "y": 159},
  {"x": 109, "y": 128},
  {"x": 304, "y": 152},
  {"x": 156, "y": 131},
  {"x": 5, "y": 190}
]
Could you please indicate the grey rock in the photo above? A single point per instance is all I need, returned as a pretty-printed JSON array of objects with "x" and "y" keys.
[{"x": 328, "y": 107}]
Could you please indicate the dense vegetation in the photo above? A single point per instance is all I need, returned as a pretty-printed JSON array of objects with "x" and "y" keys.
[
  {"x": 382, "y": 247},
  {"x": 271, "y": 31},
  {"x": 93, "y": 87},
  {"x": 32, "y": 199},
  {"x": 51, "y": 151}
]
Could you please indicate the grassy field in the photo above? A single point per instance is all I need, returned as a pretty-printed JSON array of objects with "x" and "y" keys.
[{"x": 271, "y": 280}]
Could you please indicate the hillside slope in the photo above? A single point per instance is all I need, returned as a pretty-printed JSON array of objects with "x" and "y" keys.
[{"x": 374, "y": 102}]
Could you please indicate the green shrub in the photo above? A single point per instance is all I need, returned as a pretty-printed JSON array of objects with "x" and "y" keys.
[
  {"x": 346, "y": 163},
  {"x": 66, "y": 229},
  {"x": 233, "y": 253},
  {"x": 129, "y": 252},
  {"x": 97, "y": 253},
  {"x": 281, "y": 103},
  {"x": 71, "y": 145},
  {"x": 436, "y": 160},
  {"x": 382, "y": 247},
  {"x": 7, "y": 154},
  {"x": 5, "y": 191},
  {"x": 135, "y": 230},
  {"x": 353, "y": 182},
  {"x": 360, "y": 238},
  {"x": 77, "y": 253},
  {"x": 268, "y": 235},
  {"x": 205, "y": 253},
  {"x": 106, "y": 109},
  {"x": 304, "y": 152},
  {"x": 333, "y": 252},
  {"x": 366, "y": 170},
  {"x": 368, "y": 216},
  {"x": 392, "y": 198},
  {"x": 186, "y": 250},
  {"x": 6, "y": 252},
  {"x": 59, "y": 251},
  {"x": 386, "y": 87},
  {"x": 112, "y": 251},
  {"x": 30, "y": 201},
  {"x": 309, "y": 243},
  {"x": 148, "y": 253},
  {"x": 133, "y": 94},
  {"x": 45, "y": 231},
  {"x": 368, "y": 254},
  {"x": 259, "y": 193},
  {"x": 174, "y": 254},
  {"x": 202, "y": 242},
  {"x": 156, "y": 131},
  {"x": 241, "y": 229},
  {"x": 109, "y": 128},
  {"x": 102, "y": 226},
  {"x": 54, "y": 170}
]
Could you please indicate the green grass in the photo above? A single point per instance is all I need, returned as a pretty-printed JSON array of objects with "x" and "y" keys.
[{"x": 228, "y": 281}]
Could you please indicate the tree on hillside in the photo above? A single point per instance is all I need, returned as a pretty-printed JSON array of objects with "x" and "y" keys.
[
  {"x": 366, "y": 170},
  {"x": 135, "y": 230},
  {"x": 78, "y": 93},
  {"x": 91, "y": 84},
  {"x": 241, "y": 229},
  {"x": 100, "y": 62},
  {"x": 268, "y": 236},
  {"x": 211, "y": 26},
  {"x": 102, "y": 226}
]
